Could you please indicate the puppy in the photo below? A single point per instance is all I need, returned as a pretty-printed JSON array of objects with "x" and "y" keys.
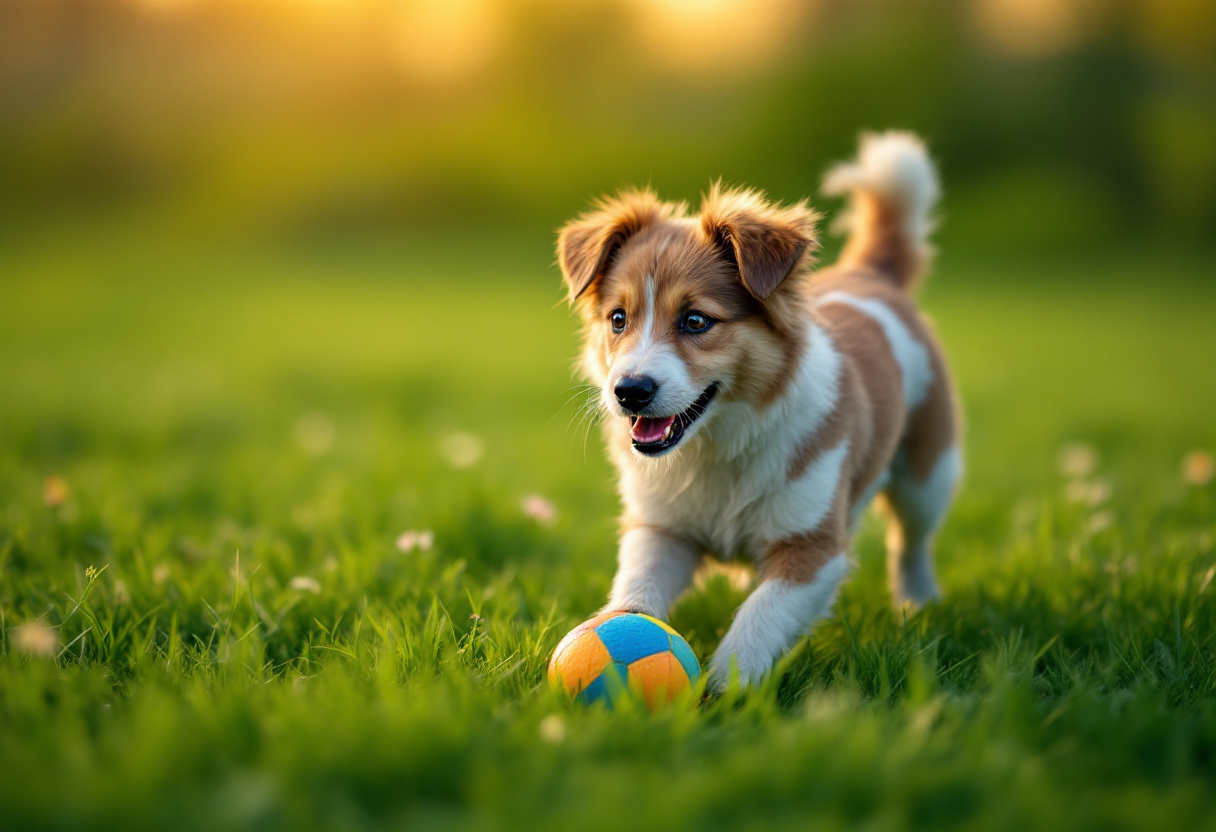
[{"x": 754, "y": 408}]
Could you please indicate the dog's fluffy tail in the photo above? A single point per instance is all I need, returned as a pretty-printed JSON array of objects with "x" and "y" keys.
[{"x": 892, "y": 189}]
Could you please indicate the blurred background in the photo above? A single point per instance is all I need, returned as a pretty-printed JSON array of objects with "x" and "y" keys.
[
  {"x": 1058, "y": 123},
  {"x": 268, "y": 254}
]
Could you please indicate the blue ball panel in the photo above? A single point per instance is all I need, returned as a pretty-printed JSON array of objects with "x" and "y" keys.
[
  {"x": 631, "y": 637},
  {"x": 612, "y": 680},
  {"x": 686, "y": 657}
]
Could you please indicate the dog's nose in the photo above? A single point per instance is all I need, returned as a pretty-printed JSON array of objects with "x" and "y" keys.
[{"x": 635, "y": 392}]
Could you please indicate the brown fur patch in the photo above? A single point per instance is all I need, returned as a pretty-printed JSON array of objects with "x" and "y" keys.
[
  {"x": 878, "y": 240},
  {"x": 586, "y": 245},
  {"x": 846, "y": 415},
  {"x": 798, "y": 559},
  {"x": 872, "y": 369},
  {"x": 765, "y": 241},
  {"x": 933, "y": 427},
  {"x": 869, "y": 405},
  {"x": 775, "y": 383}
]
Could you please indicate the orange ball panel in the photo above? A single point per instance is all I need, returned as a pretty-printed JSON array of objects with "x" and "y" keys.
[
  {"x": 592, "y": 623},
  {"x": 569, "y": 638},
  {"x": 661, "y": 678},
  {"x": 578, "y": 660}
]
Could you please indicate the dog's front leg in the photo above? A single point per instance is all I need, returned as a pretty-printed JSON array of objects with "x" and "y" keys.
[
  {"x": 771, "y": 620},
  {"x": 655, "y": 566}
]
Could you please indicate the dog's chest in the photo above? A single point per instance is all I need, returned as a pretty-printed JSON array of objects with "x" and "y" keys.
[{"x": 724, "y": 505}]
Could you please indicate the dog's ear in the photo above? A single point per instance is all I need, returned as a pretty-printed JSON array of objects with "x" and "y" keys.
[
  {"x": 766, "y": 242},
  {"x": 585, "y": 246}
]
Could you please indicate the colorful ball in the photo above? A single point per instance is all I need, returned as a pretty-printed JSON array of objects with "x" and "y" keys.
[{"x": 602, "y": 657}]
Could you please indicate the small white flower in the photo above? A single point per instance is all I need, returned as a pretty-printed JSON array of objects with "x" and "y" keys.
[
  {"x": 303, "y": 583},
  {"x": 314, "y": 432},
  {"x": 1090, "y": 493},
  {"x": 1077, "y": 460},
  {"x": 1101, "y": 521},
  {"x": 462, "y": 450},
  {"x": 540, "y": 509},
  {"x": 410, "y": 540},
  {"x": 553, "y": 729},
  {"x": 36, "y": 639}
]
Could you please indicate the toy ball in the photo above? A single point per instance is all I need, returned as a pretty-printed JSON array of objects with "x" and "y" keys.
[{"x": 601, "y": 658}]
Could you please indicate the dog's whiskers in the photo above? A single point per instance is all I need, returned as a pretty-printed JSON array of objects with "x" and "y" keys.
[
  {"x": 579, "y": 390},
  {"x": 581, "y": 412}
]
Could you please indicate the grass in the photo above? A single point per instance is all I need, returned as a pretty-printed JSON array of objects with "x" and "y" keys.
[{"x": 238, "y": 438}]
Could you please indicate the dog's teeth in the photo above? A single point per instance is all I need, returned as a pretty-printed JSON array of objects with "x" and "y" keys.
[{"x": 667, "y": 433}]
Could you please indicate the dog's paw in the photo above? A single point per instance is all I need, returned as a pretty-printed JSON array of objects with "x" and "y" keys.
[
  {"x": 915, "y": 589},
  {"x": 731, "y": 670}
]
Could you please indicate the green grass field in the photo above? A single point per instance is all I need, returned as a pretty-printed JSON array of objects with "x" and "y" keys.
[{"x": 241, "y": 436}]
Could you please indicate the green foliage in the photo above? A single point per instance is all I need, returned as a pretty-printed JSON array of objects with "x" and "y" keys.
[
  {"x": 283, "y": 117},
  {"x": 207, "y": 623}
]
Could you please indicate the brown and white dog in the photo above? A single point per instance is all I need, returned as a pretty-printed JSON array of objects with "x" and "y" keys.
[{"x": 755, "y": 408}]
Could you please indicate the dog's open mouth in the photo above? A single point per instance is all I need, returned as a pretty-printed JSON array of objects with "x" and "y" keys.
[{"x": 654, "y": 435}]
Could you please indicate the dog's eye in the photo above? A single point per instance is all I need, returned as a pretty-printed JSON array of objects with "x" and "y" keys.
[
  {"x": 695, "y": 322},
  {"x": 617, "y": 319}
]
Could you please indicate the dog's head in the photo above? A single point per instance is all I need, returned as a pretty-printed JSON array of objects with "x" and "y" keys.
[{"x": 682, "y": 311}]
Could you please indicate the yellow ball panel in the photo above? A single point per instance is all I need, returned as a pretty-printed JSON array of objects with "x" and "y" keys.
[
  {"x": 662, "y": 624},
  {"x": 661, "y": 678},
  {"x": 578, "y": 660}
]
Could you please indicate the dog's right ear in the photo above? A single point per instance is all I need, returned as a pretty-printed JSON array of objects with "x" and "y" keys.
[
  {"x": 585, "y": 246},
  {"x": 763, "y": 240}
]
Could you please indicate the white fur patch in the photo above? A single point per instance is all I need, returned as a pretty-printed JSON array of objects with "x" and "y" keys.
[
  {"x": 648, "y": 321},
  {"x": 771, "y": 620},
  {"x": 655, "y": 358},
  {"x": 802, "y": 505},
  {"x": 919, "y": 508},
  {"x": 895, "y": 167},
  {"x": 787, "y": 422},
  {"x": 922, "y": 505},
  {"x": 915, "y": 370},
  {"x": 653, "y": 570}
]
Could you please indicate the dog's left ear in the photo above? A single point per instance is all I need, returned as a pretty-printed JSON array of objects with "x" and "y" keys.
[{"x": 766, "y": 242}]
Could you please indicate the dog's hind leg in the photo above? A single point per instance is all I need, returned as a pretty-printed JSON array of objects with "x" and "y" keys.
[{"x": 916, "y": 506}]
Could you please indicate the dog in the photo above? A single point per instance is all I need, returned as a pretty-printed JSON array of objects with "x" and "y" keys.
[{"x": 755, "y": 406}]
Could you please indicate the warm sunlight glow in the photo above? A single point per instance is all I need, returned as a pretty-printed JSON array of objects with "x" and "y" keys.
[
  {"x": 444, "y": 40},
  {"x": 1034, "y": 27},
  {"x": 440, "y": 41},
  {"x": 702, "y": 34},
  {"x": 167, "y": 6}
]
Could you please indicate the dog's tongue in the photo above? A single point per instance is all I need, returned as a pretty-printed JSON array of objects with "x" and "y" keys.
[{"x": 648, "y": 431}]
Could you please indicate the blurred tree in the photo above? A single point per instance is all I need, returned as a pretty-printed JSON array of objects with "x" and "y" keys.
[{"x": 1058, "y": 122}]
